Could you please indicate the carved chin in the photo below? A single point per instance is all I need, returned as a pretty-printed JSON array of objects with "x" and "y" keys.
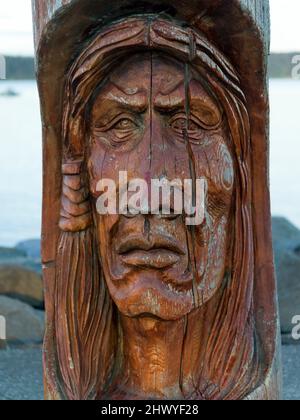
[
  {"x": 169, "y": 293},
  {"x": 151, "y": 297}
]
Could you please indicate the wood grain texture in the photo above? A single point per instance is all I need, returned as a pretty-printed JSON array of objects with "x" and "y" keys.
[{"x": 221, "y": 315}]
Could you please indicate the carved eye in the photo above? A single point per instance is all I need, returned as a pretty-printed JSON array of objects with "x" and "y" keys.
[
  {"x": 119, "y": 123},
  {"x": 118, "y": 132},
  {"x": 195, "y": 127},
  {"x": 124, "y": 124}
]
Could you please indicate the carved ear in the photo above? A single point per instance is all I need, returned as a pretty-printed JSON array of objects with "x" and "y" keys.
[{"x": 75, "y": 215}]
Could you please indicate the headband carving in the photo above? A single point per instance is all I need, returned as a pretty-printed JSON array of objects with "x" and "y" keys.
[{"x": 76, "y": 210}]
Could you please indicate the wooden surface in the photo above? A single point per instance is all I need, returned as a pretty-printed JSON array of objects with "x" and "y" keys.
[{"x": 128, "y": 309}]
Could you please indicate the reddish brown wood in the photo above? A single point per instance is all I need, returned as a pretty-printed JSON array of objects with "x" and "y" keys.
[{"x": 145, "y": 307}]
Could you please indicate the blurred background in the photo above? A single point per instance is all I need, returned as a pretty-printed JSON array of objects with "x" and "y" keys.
[{"x": 21, "y": 290}]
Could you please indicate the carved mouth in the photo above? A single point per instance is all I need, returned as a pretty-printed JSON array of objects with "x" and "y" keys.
[
  {"x": 139, "y": 252},
  {"x": 158, "y": 258}
]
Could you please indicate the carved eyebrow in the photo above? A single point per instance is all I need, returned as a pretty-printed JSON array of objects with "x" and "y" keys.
[
  {"x": 175, "y": 102},
  {"x": 169, "y": 104},
  {"x": 137, "y": 103},
  {"x": 134, "y": 99}
]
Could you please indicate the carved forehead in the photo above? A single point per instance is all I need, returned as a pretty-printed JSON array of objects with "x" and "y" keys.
[
  {"x": 133, "y": 75},
  {"x": 162, "y": 75}
]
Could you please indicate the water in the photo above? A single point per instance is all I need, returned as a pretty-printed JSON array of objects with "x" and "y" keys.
[
  {"x": 20, "y": 158},
  {"x": 20, "y": 163},
  {"x": 285, "y": 149}
]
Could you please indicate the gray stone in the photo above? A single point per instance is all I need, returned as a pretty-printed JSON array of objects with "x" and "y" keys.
[
  {"x": 31, "y": 264},
  {"x": 22, "y": 284},
  {"x": 286, "y": 240},
  {"x": 26, "y": 254},
  {"x": 285, "y": 233},
  {"x": 24, "y": 325},
  {"x": 288, "y": 339},
  {"x": 22, "y": 261}
]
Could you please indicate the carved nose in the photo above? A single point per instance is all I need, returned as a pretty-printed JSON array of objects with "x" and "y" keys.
[{"x": 161, "y": 152}]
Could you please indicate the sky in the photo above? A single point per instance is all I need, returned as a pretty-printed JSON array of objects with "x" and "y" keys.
[{"x": 16, "y": 26}]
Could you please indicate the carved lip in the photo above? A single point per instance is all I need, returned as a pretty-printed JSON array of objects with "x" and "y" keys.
[
  {"x": 162, "y": 253},
  {"x": 158, "y": 258}
]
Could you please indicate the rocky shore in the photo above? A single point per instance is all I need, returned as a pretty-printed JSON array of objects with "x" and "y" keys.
[
  {"x": 21, "y": 294},
  {"x": 22, "y": 305}
]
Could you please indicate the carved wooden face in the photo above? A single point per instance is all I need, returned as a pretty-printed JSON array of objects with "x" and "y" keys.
[{"x": 152, "y": 120}]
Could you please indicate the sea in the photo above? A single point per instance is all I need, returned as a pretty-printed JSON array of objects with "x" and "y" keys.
[{"x": 21, "y": 157}]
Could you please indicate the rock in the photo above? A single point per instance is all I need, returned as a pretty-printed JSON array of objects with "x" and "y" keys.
[
  {"x": 285, "y": 232},
  {"x": 24, "y": 325},
  {"x": 22, "y": 284},
  {"x": 286, "y": 239},
  {"x": 289, "y": 340},
  {"x": 27, "y": 255},
  {"x": 32, "y": 265},
  {"x": 32, "y": 248}
]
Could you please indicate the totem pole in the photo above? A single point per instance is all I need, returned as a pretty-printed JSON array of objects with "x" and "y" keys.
[{"x": 141, "y": 305}]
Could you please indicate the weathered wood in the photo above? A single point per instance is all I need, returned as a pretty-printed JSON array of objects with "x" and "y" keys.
[{"x": 206, "y": 295}]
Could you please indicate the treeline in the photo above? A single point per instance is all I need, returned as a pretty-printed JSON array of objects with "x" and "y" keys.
[
  {"x": 17, "y": 68},
  {"x": 281, "y": 65},
  {"x": 20, "y": 68}
]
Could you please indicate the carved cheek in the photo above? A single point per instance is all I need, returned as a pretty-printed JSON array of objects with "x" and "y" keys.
[
  {"x": 101, "y": 164},
  {"x": 226, "y": 171},
  {"x": 219, "y": 166},
  {"x": 215, "y": 164}
]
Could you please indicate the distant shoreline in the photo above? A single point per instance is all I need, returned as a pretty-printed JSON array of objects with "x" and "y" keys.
[
  {"x": 20, "y": 68},
  {"x": 23, "y": 68}
]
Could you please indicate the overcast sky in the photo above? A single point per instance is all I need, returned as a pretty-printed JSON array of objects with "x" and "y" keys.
[{"x": 16, "y": 26}]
